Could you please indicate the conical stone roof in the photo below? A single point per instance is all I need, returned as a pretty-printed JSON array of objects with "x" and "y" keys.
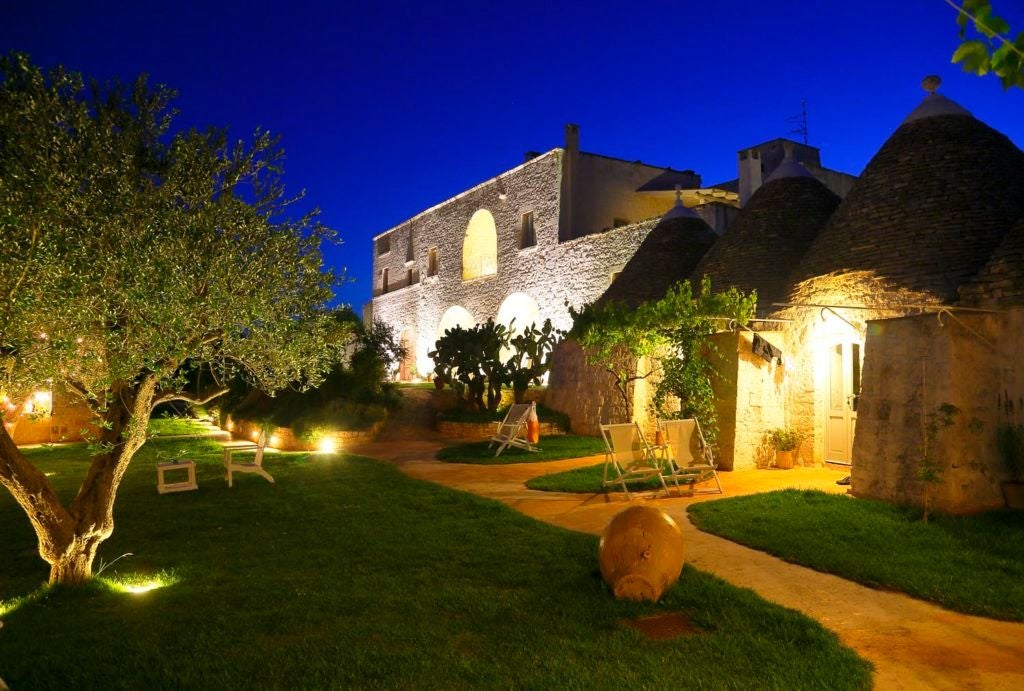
[
  {"x": 768, "y": 237},
  {"x": 927, "y": 213},
  {"x": 667, "y": 256},
  {"x": 1000, "y": 283}
]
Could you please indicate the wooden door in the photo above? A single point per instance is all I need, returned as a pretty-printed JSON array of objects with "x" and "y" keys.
[{"x": 844, "y": 366}]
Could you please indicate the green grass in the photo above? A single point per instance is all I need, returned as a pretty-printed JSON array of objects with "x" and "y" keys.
[
  {"x": 552, "y": 448},
  {"x": 585, "y": 480},
  {"x": 543, "y": 414},
  {"x": 346, "y": 573},
  {"x": 972, "y": 564},
  {"x": 171, "y": 426}
]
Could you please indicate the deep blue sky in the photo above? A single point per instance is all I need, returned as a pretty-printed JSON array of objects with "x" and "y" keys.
[{"x": 388, "y": 108}]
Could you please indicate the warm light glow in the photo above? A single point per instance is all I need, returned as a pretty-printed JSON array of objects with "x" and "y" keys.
[
  {"x": 40, "y": 403},
  {"x": 327, "y": 445},
  {"x": 255, "y": 435},
  {"x": 137, "y": 584},
  {"x": 480, "y": 248},
  {"x": 274, "y": 441},
  {"x": 230, "y": 426}
]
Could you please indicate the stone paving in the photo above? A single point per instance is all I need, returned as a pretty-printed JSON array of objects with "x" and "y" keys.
[{"x": 911, "y": 643}]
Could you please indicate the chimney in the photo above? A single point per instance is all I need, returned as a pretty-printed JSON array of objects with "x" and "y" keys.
[{"x": 569, "y": 163}]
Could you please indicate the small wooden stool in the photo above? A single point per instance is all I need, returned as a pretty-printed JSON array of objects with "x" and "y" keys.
[{"x": 163, "y": 487}]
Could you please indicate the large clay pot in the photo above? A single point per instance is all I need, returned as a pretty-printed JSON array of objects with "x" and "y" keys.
[
  {"x": 784, "y": 459},
  {"x": 641, "y": 553}
]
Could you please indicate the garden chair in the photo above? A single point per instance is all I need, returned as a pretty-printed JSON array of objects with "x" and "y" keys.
[
  {"x": 254, "y": 466},
  {"x": 512, "y": 430},
  {"x": 688, "y": 457},
  {"x": 628, "y": 457}
]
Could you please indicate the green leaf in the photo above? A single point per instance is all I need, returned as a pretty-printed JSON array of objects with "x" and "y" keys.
[{"x": 973, "y": 55}]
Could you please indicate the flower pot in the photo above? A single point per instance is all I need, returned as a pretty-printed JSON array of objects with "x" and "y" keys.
[
  {"x": 1013, "y": 494},
  {"x": 784, "y": 459}
]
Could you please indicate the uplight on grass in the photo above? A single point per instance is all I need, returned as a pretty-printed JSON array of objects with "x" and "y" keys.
[{"x": 139, "y": 584}]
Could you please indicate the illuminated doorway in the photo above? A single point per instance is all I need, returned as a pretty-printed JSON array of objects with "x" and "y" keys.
[{"x": 845, "y": 360}]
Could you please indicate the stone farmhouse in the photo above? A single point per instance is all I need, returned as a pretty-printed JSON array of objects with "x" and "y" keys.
[
  {"x": 905, "y": 296},
  {"x": 553, "y": 231}
]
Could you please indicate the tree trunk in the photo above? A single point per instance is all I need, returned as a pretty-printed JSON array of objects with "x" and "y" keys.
[
  {"x": 519, "y": 395},
  {"x": 74, "y": 567},
  {"x": 69, "y": 537}
]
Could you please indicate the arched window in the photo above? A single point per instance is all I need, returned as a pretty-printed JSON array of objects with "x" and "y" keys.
[
  {"x": 455, "y": 316},
  {"x": 517, "y": 311},
  {"x": 480, "y": 248}
]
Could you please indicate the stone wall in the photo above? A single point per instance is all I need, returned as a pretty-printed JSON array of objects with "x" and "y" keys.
[
  {"x": 550, "y": 273},
  {"x": 283, "y": 439},
  {"x": 586, "y": 394},
  {"x": 69, "y": 417},
  {"x": 913, "y": 365},
  {"x": 751, "y": 399},
  {"x": 477, "y": 431}
]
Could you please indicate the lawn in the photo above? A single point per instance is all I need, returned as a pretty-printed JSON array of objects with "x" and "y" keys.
[
  {"x": 346, "y": 573},
  {"x": 174, "y": 426},
  {"x": 972, "y": 564},
  {"x": 552, "y": 448},
  {"x": 587, "y": 480}
]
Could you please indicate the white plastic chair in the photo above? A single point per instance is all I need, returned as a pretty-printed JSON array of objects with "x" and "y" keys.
[{"x": 254, "y": 466}]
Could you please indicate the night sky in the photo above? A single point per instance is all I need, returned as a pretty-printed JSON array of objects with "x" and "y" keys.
[{"x": 388, "y": 108}]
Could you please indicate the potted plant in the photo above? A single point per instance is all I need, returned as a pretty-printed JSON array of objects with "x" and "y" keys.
[
  {"x": 785, "y": 440},
  {"x": 1010, "y": 440}
]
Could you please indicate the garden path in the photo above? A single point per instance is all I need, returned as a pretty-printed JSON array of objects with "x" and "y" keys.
[{"x": 912, "y": 644}]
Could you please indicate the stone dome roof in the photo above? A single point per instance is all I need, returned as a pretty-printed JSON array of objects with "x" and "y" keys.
[
  {"x": 768, "y": 237},
  {"x": 667, "y": 255},
  {"x": 926, "y": 214},
  {"x": 1000, "y": 283}
]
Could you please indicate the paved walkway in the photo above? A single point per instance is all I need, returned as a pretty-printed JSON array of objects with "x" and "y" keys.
[{"x": 913, "y": 644}]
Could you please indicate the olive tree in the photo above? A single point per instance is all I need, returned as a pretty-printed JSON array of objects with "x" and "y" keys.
[{"x": 128, "y": 251}]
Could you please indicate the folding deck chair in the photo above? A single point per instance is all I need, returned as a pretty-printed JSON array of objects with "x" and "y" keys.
[
  {"x": 512, "y": 430},
  {"x": 628, "y": 457},
  {"x": 688, "y": 456},
  {"x": 254, "y": 466}
]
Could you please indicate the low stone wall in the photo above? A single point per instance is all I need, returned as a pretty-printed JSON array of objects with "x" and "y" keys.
[
  {"x": 283, "y": 439},
  {"x": 586, "y": 394},
  {"x": 69, "y": 417},
  {"x": 476, "y": 431}
]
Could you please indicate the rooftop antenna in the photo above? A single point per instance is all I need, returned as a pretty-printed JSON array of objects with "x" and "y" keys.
[{"x": 799, "y": 120}]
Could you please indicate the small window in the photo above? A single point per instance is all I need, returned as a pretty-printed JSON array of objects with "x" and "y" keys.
[
  {"x": 409, "y": 277},
  {"x": 619, "y": 222},
  {"x": 432, "y": 262},
  {"x": 410, "y": 251},
  {"x": 527, "y": 236},
  {"x": 383, "y": 245},
  {"x": 384, "y": 280}
]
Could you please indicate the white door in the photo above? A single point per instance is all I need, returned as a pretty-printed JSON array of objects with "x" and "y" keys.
[{"x": 844, "y": 365}]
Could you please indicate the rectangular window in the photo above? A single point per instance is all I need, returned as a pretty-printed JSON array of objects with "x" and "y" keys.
[
  {"x": 384, "y": 280},
  {"x": 409, "y": 277},
  {"x": 410, "y": 252},
  {"x": 432, "y": 262},
  {"x": 527, "y": 236},
  {"x": 383, "y": 245}
]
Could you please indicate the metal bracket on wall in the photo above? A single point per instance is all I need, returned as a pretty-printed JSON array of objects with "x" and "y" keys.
[
  {"x": 949, "y": 313},
  {"x": 841, "y": 317}
]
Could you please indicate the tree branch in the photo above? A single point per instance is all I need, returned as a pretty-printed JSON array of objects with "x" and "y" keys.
[
  {"x": 164, "y": 397},
  {"x": 974, "y": 20}
]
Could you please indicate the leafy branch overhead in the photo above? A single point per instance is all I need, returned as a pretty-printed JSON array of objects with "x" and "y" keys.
[{"x": 993, "y": 49}]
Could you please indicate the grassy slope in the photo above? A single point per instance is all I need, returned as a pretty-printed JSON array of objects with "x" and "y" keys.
[
  {"x": 971, "y": 564},
  {"x": 170, "y": 426},
  {"x": 347, "y": 573},
  {"x": 551, "y": 448}
]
